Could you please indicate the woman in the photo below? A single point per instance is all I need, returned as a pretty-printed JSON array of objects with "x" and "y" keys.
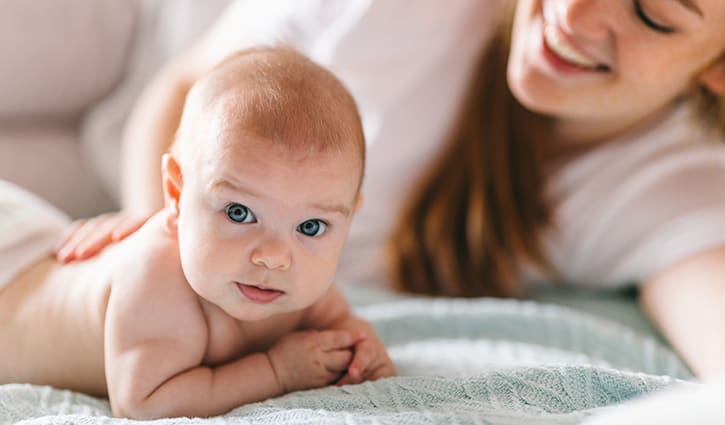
[{"x": 581, "y": 154}]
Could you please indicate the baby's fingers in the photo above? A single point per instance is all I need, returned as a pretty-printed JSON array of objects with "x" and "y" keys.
[
  {"x": 337, "y": 361},
  {"x": 372, "y": 373},
  {"x": 338, "y": 340},
  {"x": 369, "y": 362},
  {"x": 383, "y": 370},
  {"x": 360, "y": 363}
]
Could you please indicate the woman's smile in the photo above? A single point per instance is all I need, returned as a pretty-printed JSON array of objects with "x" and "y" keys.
[{"x": 564, "y": 56}]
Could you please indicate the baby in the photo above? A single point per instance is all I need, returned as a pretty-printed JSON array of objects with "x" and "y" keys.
[{"x": 225, "y": 296}]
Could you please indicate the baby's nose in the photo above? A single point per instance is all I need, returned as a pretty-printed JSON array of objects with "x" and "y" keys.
[{"x": 272, "y": 253}]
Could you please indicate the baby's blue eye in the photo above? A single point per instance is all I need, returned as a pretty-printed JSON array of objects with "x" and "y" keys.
[
  {"x": 314, "y": 227},
  {"x": 238, "y": 213}
]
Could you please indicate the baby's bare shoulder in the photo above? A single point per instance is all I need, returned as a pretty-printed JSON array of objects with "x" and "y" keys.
[{"x": 150, "y": 294}]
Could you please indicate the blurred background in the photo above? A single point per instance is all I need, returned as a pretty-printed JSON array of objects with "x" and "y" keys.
[{"x": 69, "y": 74}]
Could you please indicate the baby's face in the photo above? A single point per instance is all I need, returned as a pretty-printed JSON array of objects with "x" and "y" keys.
[{"x": 260, "y": 232}]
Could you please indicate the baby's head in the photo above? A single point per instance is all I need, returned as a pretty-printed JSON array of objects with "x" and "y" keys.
[{"x": 262, "y": 182}]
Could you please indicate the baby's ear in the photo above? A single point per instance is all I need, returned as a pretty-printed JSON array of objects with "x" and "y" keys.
[
  {"x": 713, "y": 77},
  {"x": 172, "y": 182}
]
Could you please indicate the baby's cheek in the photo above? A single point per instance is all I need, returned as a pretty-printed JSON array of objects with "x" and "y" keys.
[{"x": 320, "y": 278}]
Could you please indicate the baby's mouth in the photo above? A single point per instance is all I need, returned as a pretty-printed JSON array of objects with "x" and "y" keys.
[{"x": 259, "y": 294}]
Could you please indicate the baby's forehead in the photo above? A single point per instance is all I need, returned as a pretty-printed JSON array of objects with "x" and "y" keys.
[
  {"x": 233, "y": 171},
  {"x": 221, "y": 128},
  {"x": 235, "y": 146},
  {"x": 288, "y": 114}
]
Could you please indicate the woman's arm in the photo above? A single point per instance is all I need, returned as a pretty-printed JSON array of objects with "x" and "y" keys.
[
  {"x": 148, "y": 134},
  {"x": 687, "y": 302},
  {"x": 153, "y": 121}
]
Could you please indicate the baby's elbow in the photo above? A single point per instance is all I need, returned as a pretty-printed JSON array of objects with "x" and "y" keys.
[
  {"x": 135, "y": 408},
  {"x": 123, "y": 409}
]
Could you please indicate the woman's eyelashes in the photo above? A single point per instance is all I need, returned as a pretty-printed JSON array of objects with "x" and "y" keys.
[
  {"x": 239, "y": 213},
  {"x": 648, "y": 21}
]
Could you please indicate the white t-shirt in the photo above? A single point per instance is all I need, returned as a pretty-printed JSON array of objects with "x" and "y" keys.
[
  {"x": 635, "y": 205},
  {"x": 407, "y": 64},
  {"x": 622, "y": 212}
]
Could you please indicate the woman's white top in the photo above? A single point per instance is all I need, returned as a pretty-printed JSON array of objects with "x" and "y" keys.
[
  {"x": 638, "y": 204},
  {"x": 622, "y": 211}
]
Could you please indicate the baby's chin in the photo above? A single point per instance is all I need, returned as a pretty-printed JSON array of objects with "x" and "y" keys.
[{"x": 248, "y": 311}]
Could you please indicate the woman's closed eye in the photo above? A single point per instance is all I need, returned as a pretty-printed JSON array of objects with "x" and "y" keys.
[
  {"x": 645, "y": 18},
  {"x": 313, "y": 228},
  {"x": 239, "y": 213}
]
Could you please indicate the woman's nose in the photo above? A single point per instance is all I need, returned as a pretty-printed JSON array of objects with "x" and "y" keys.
[
  {"x": 273, "y": 253},
  {"x": 585, "y": 18}
]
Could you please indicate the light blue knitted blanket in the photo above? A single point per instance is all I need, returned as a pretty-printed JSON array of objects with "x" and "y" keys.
[{"x": 461, "y": 361}]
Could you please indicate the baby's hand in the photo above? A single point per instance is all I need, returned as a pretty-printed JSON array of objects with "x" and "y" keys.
[
  {"x": 370, "y": 360},
  {"x": 312, "y": 359},
  {"x": 87, "y": 237}
]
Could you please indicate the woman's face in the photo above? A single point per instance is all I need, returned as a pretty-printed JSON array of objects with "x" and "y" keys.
[{"x": 610, "y": 64}]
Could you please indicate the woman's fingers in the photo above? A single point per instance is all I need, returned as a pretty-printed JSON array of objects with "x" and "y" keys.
[
  {"x": 78, "y": 234},
  {"x": 61, "y": 247},
  {"x": 128, "y": 225},
  {"x": 88, "y": 237},
  {"x": 98, "y": 238}
]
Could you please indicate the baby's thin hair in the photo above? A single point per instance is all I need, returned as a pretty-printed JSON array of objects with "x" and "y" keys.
[{"x": 277, "y": 94}]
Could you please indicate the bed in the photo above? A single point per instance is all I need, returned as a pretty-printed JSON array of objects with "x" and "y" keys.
[{"x": 557, "y": 358}]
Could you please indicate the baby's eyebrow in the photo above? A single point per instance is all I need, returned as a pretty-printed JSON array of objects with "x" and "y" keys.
[
  {"x": 345, "y": 211},
  {"x": 217, "y": 184}
]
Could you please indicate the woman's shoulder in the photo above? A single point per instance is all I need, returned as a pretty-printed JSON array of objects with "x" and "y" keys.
[
  {"x": 670, "y": 145},
  {"x": 629, "y": 208}
]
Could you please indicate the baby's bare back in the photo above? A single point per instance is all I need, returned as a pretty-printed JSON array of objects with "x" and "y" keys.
[
  {"x": 51, "y": 326},
  {"x": 53, "y": 317}
]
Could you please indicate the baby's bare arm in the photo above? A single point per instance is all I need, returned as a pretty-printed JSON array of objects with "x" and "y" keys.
[
  {"x": 155, "y": 117},
  {"x": 159, "y": 384},
  {"x": 155, "y": 343}
]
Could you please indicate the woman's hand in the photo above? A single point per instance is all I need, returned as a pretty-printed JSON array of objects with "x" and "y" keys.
[{"x": 88, "y": 237}]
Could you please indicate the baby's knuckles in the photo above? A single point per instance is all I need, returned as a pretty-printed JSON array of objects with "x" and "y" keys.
[{"x": 297, "y": 360}]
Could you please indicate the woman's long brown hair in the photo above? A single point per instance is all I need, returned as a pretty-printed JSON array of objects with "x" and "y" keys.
[{"x": 479, "y": 213}]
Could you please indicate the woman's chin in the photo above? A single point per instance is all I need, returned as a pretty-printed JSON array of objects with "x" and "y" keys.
[{"x": 534, "y": 99}]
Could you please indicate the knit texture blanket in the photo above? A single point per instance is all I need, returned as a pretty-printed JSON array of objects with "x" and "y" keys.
[{"x": 478, "y": 361}]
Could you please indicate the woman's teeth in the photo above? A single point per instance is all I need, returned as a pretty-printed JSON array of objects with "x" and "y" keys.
[{"x": 564, "y": 50}]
